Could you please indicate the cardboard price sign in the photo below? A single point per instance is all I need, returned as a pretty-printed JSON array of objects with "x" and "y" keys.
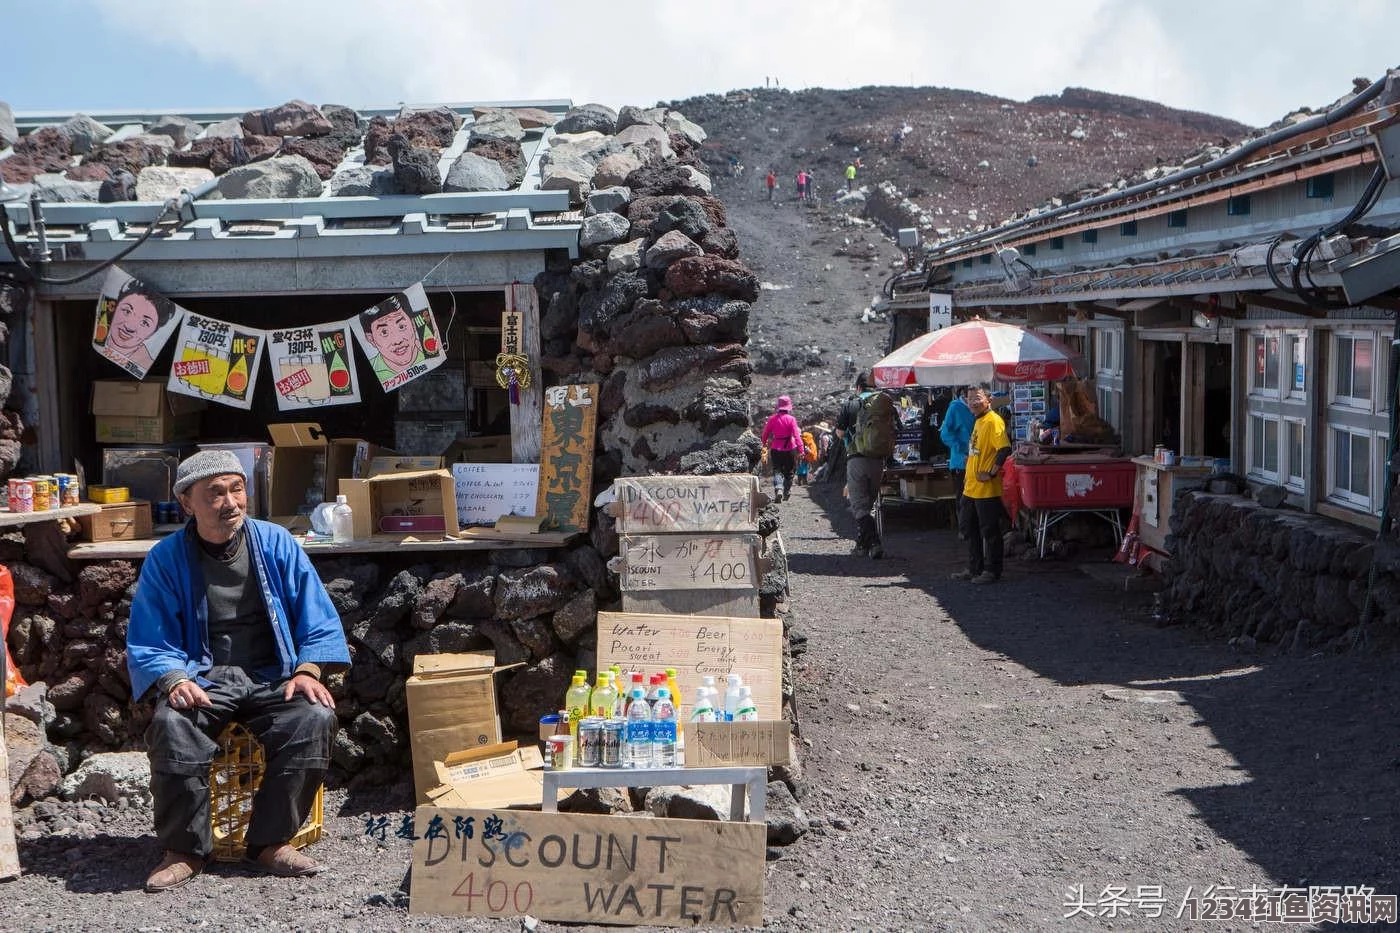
[
  {"x": 690, "y": 562},
  {"x": 675, "y": 504},
  {"x": 587, "y": 868},
  {"x": 720, "y": 744},
  {"x": 566, "y": 467},
  {"x": 696, "y": 646}
]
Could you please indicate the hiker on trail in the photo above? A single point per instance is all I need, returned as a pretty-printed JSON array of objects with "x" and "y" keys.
[
  {"x": 807, "y": 458},
  {"x": 811, "y": 186},
  {"x": 801, "y": 185},
  {"x": 956, "y": 433},
  {"x": 782, "y": 438},
  {"x": 982, "y": 510},
  {"x": 850, "y": 177},
  {"x": 230, "y": 623},
  {"x": 866, "y": 426},
  {"x": 772, "y": 182}
]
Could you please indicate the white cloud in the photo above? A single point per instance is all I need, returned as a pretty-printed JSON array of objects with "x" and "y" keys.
[{"x": 1198, "y": 54}]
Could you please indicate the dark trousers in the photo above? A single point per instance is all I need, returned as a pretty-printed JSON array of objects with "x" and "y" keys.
[
  {"x": 958, "y": 477},
  {"x": 980, "y": 523},
  {"x": 296, "y": 739},
  {"x": 784, "y": 463}
]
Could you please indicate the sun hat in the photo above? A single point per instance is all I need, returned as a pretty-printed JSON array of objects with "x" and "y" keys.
[
  {"x": 784, "y": 403},
  {"x": 205, "y": 464}
]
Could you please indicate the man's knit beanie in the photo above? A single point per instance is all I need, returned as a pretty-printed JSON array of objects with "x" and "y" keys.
[{"x": 205, "y": 464}]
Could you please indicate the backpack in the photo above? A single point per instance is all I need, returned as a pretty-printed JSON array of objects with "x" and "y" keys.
[
  {"x": 809, "y": 445},
  {"x": 873, "y": 435}
]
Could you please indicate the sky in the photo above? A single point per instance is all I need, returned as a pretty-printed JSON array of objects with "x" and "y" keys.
[{"x": 1250, "y": 60}]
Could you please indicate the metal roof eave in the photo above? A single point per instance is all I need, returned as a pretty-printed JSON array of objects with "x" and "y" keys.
[{"x": 1248, "y": 283}]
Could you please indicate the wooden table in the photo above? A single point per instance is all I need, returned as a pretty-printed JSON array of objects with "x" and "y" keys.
[{"x": 473, "y": 539}]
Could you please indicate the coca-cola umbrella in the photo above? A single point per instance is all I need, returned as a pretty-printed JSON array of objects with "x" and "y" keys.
[{"x": 976, "y": 352}]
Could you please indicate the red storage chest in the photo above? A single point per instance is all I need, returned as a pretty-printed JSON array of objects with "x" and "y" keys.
[{"x": 1101, "y": 484}]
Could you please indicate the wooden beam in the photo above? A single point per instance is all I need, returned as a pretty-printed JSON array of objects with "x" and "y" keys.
[
  {"x": 527, "y": 418},
  {"x": 1279, "y": 304}
]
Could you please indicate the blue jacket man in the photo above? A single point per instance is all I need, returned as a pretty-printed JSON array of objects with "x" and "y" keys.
[
  {"x": 230, "y": 623},
  {"x": 956, "y": 432}
]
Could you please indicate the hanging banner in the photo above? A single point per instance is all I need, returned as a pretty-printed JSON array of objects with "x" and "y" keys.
[
  {"x": 566, "y": 469},
  {"x": 312, "y": 366},
  {"x": 400, "y": 337},
  {"x": 133, "y": 323},
  {"x": 216, "y": 361}
]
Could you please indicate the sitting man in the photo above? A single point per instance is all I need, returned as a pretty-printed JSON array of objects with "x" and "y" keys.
[{"x": 230, "y": 623}]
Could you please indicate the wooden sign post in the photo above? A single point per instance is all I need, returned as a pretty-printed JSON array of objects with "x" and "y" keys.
[
  {"x": 583, "y": 868},
  {"x": 715, "y": 574},
  {"x": 687, "y": 504},
  {"x": 9, "y": 855},
  {"x": 523, "y": 313},
  {"x": 566, "y": 464},
  {"x": 696, "y": 646}
]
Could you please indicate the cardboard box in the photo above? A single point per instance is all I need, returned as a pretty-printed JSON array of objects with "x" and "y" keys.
[
  {"x": 118, "y": 521},
  {"x": 451, "y": 707},
  {"x": 490, "y": 777},
  {"x": 490, "y": 448},
  {"x": 927, "y": 487},
  {"x": 129, "y": 412},
  {"x": 398, "y": 464},
  {"x": 297, "y": 448},
  {"x": 420, "y": 502}
]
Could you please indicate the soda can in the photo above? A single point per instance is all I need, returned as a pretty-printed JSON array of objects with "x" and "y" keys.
[
  {"x": 67, "y": 489},
  {"x": 613, "y": 730},
  {"x": 43, "y": 493},
  {"x": 590, "y": 742},
  {"x": 21, "y": 495},
  {"x": 559, "y": 752}
]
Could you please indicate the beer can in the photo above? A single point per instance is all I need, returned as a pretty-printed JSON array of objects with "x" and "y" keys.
[
  {"x": 21, "y": 495},
  {"x": 43, "y": 493},
  {"x": 590, "y": 742},
  {"x": 613, "y": 730},
  {"x": 559, "y": 752}
]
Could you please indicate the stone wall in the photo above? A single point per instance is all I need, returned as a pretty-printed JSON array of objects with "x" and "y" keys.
[{"x": 1278, "y": 576}]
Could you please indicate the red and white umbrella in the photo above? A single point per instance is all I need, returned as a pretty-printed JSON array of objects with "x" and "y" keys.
[{"x": 975, "y": 352}]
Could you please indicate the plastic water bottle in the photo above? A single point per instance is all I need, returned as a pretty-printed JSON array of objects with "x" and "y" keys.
[
  {"x": 663, "y": 731},
  {"x": 638, "y": 734},
  {"x": 676, "y": 699},
  {"x": 576, "y": 701},
  {"x": 656, "y": 683},
  {"x": 342, "y": 522},
  {"x": 748, "y": 710},
  {"x": 704, "y": 710},
  {"x": 731, "y": 697},
  {"x": 604, "y": 696},
  {"x": 636, "y": 684}
]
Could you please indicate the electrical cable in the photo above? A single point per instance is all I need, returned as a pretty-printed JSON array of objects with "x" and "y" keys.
[{"x": 100, "y": 267}]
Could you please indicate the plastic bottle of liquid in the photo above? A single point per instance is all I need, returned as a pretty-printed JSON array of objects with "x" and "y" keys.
[
  {"x": 657, "y": 682},
  {"x": 342, "y": 522},
  {"x": 748, "y": 710},
  {"x": 663, "y": 731},
  {"x": 638, "y": 734},
  {"x": 576, "y": 701},
  {"x": 636, "y": 684},
  {"x": 676, "y": 700},
  {"x": 620, "y": 685},
  {"x": 731, "y": 696},
  {"x": 604, "y": 697},
  {"x": 708, "y": 682},
  {"x": 704, "y": 710}
]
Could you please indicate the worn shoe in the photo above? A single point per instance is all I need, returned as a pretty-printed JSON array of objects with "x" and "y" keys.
[
  {"x": 962, "y": 576},
  {"x": 877, "y": 551},
  {"x": 986, "y": 576},
  {"x": 787, "y": 495},
  {"x": 284, "y": 861},
  {"x": 175, "y": 869}
]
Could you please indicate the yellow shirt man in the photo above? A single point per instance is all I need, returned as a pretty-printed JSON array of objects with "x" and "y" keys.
[{"x": 988, "y": 437}]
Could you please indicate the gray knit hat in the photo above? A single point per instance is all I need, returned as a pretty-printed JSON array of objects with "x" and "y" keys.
[{"x": 205, "y": 464}]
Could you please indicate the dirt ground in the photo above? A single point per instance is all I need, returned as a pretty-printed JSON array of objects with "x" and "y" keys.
[{"x": 974, "y": 755}]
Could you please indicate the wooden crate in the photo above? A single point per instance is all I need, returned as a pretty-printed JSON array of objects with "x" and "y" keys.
[{"x": 118, "y": 521}]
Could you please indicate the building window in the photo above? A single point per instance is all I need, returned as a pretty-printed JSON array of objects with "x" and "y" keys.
[
  {"x": 1108, "y": 365},
  {"x": 1089, "y": 236},
  {"x": 1264, "y": 447},
  {"x": 1127, "y": 228},
  {"x": 1057, "y": 242},
  {"x": 967, "y": 263},
  {"x": 1297, "y": 373},
  {"x": 1351, "y": 467},
  {"x": 1264, "y": 374},
  {"x": 1028, "y": 249},
  {"x": 1355, "y": 370},
  {"x": 1177, "y": 218},
  {"x": 986, "y": 259},
  {"x": 1320, "y": 186},
  {"x": 1297, "y": 453},
  {"x": 1238, "y": 206}
]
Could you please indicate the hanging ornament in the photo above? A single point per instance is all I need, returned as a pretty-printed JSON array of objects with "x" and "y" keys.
[{"x": 513, "y": 374}]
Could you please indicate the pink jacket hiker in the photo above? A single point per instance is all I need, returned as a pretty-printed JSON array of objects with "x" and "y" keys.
[{"x": 781, "y": 431}]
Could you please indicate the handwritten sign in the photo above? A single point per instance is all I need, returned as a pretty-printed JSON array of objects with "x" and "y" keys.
[
  {"x": 720, "y": 744},
  {"x": 487, "y": 491},
  {"x": 216, "y": 361},
  {"x": 690, "y": 562},
  {"x": 587, "y": 868},
  {"x": 312, "y": 366},
  {"x": 696, "y": 646},
  {"x": 566, "y": 467},
  {"x": 674, "y": 504}
]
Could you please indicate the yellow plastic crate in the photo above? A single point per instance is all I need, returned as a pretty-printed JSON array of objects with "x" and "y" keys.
[{"x": 234, "y": 777}]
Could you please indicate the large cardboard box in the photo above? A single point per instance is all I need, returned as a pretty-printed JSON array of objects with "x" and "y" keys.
[
  {"x": 297, "y": 466},
  {"x": 418, "y": 502},
  {"x": 130, "y": 412},
  {"x": 451, "y": 707},
  {"x": 490, "y": 777}
]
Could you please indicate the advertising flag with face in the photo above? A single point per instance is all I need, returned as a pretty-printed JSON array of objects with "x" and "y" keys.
[
  {"x": 133, "y": 322},
  {"x": 400, "y": 336}
]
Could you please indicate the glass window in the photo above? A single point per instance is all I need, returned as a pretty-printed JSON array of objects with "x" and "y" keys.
[
  {"x": 1263, "y": 446},
  {"x": 1298, "y": 367},
  {"x": 1267, "y": 352},
  {"x": 1127, "y": 228},
  {"x": 1028, "y": 249},
  {"x": 1057, "y": 242},
  {"x": 1320, "y": 186},
  {"x": 1089, "y": 236},
  {"x": 1296, "y": 453},
  {"x": 1351, "y": 466},
  {"x": 1177, "y": 218},
  {"x": 1238, "y": 206},
  {"x": 1355, "y": 368}
]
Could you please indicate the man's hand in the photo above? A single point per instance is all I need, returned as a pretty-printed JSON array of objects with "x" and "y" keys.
[
  {"x": 315, "y": 691},
  {"x": 187, "y": 695}
]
